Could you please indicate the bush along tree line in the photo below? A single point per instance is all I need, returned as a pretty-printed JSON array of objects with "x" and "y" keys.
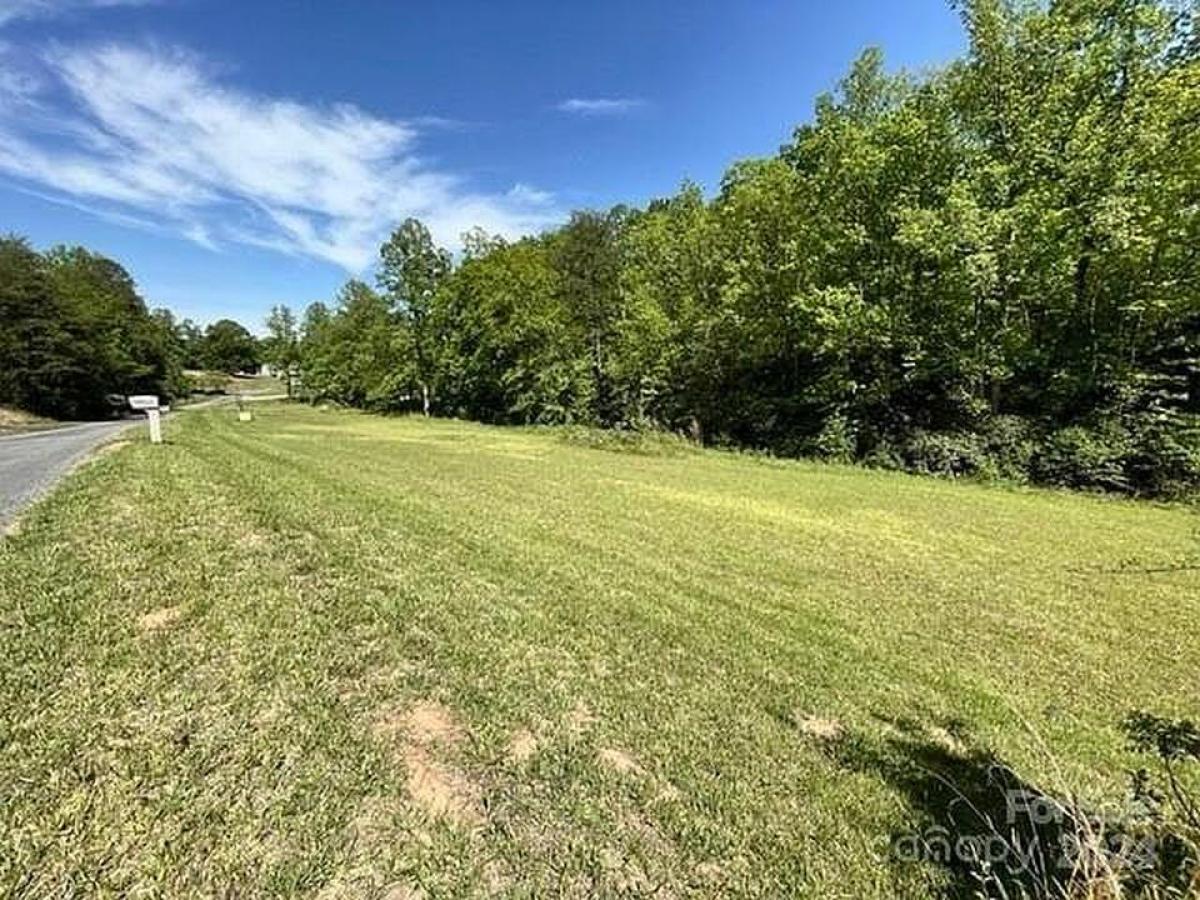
[
  {"x": 74, "y": 330},
  {"x": 988, "y": 270}
]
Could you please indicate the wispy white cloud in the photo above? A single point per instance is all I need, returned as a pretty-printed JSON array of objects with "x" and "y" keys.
[
  {"x": 152, "y": 132},
  {"x": 601, "y": 106},
  {"x": 11, "y": 10}
]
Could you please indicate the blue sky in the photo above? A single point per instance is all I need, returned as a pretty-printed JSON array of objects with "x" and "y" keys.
[{"x": 234, "y": 155}]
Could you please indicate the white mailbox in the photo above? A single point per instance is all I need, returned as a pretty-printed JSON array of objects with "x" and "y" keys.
[
  {"x": 148, "y": 403},
  {"x": 143, "y": 401}
]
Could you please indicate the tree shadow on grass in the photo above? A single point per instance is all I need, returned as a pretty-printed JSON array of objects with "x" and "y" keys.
[{"x": 994, "y": 834}]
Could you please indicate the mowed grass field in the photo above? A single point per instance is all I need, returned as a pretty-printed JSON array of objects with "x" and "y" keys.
[{"x": 324, "y": 654}]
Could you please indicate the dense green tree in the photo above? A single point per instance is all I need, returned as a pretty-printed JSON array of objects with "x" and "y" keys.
[
  {"x": 586, "y": 255},
  {"x": 191, "y": 338},
  {"x": 230, "y": 348},
  {"x": 509, "y": 351},
  {"x": 111, "y": 326},
  {"x": 41, "y": 369},
  {"x": 357, "y": 354},
  {"x": 281, "y": 346},
  {"x": 991, "y": 268},
  {"x": 73, "y": 330},
  {"x": 170, "y": 349},
  {"x": 411, "y": 268}
]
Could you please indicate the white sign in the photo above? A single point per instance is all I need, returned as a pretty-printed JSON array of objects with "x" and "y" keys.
[{"x": 143, "y": 401}]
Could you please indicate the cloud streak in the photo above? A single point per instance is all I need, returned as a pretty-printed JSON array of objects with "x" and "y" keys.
[
  {"x": 601, "y": 106},
  {"x": 11, "y": 10},
  {"x": 152, "y": 132}
]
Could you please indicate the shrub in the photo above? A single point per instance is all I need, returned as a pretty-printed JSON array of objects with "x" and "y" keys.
[
  {"x": 647, "y": 442},
  {"x": 952, "y": 454},
  {"x": 1081, "y": 457},
  {"x": 1164, "y": 453},
  {"x": 1149, "y": 451},
  {"x": 836, "y": 441},
  {"x": 883, "y": 455},
  {"x": 1008, "y": 444},
  {"x": 1172, "y": 812},
  {"x": 207, "y": 382}
]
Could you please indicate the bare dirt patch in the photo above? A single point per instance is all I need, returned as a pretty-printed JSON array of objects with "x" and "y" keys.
[
  {"x": 521, "y": 746},
  {"x": 819, "y": 727},
  {"x": 581, "y": 717},
  {"x": 425, "y": 734},
  {"x": 441, "y": 791},
  {"x": 431, "y": 723},
  {"x": 160, "y": 619},
  {"x": 619, "y": 761},
  {"x": 948, "y": 740}
]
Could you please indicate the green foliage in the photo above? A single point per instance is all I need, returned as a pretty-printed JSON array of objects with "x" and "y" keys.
[
  {"x": 411, "y": 269},
  {"x": 228, "y": 347},
  {"x": 1081, "y": 457},
  {"x": 836, "y": 440},
  {"x": 73, "y": 329},
  {"x": 358, "y": 354},
  {"x": 1141, "y": 448},
  {"x": 619, "y": 440},
  {"x": 1173, "y": 812},
  {"x": 190, "y": 338},
  {"x": 1170, "y": 739},
  {"x": 281, "y": 346},
  {"x": 207, "y": 382},
  {"x": 989, "y": 270}
]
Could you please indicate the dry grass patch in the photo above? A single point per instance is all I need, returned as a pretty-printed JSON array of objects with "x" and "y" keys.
[
  {"x": 619, "y": 761},
  {"x": 819, "y": 727},
  {"x": 521, "y": 746},
  {"x": 581, "y": 717},
  {"x": 11, "y": 417},
  {"x": 948, "y": 740},
  {"x": 424, "y": 734},
  {"x": 160, "y": 619},
  {"x": 431, "y": 723},
  {"x": 252, "y": 540},
  {"x": 375, "y": 829},
  {"x": 110, "y": 447},
  {"x": 441, "y": 791}
]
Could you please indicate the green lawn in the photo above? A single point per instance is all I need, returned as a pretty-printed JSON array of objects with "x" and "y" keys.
[{"x": 326, "y": 654}]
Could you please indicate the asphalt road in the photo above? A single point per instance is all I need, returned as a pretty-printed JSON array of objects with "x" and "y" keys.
[{"x": 31, "y": 462}]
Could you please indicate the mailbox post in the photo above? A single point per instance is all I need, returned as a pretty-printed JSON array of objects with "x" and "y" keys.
[{"x": 148, "y": 403}]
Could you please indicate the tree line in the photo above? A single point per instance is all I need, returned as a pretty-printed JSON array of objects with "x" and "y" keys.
[
  {"x": 989, "y": 269},
  {"x": 74, "y": 330}
]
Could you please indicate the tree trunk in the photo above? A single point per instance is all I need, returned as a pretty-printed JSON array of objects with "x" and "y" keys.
[{"x": 425, "y": 399}]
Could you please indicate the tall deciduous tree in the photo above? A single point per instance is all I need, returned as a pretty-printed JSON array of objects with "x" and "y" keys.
[
  {"x": 230, "y": 348},
  {"x": 281, "y": 346},
  {"x": 988, "y": 268},
  {"x": 411, "y": 268}
]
